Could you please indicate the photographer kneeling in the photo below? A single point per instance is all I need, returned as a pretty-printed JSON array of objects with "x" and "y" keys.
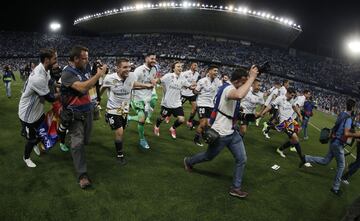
[{"x": 224, "y": 117}]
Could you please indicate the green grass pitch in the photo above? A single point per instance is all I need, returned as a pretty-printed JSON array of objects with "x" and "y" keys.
[{"x": 154, "y": 186}]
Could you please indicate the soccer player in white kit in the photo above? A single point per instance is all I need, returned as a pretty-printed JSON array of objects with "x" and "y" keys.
[
  {"x": 31, "y": 105},
  {"x": 192, "y": 76},
  {"x": 248, "y": 106},
  {"x": 271, "y": 94},
  {"x": 206, "y": 90},
  {"x": 287, "y": 123},
  {"x": 171, "y": 101},
  {"x": 119, "y": 86}
]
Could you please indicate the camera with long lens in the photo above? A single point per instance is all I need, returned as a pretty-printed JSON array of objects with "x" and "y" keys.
[
  {"x": 264, "y": 67},
  {"x": 97, "y": 64}
]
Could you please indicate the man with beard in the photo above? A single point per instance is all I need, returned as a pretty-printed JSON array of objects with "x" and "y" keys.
[
  {"x": 76, "y": 115},
  {"x": 144, "y": 100},
  {"x": 31, "y": 105}
]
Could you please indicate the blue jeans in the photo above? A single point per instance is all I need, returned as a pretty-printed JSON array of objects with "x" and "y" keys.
[
  {"x": 337, "y": 151},
  {"x": 305, "y": 125},
  {"x": 236, "y": 146},
  {"x": 8, "y": 88}
]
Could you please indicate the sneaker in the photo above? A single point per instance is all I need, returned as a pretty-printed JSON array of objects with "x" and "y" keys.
[
  {"x": 144, "y": 144},
  {"x": 64, "y": 148},
  {"x": 121, "y": 160},
  {"x": 265, "y": 125},
  {"x": 167, "y": 120},
  {"x": 173, "y": 132},
  {"x": 189, "y": 124},
  {"x": 187, "y": 167},
  {"x": 266, "y": 135},
  {"x": 148, "y": 121},
  {"x": 37, "y": 150},
  {"x": 257, "y": 122},
  {"x": 336, "y": 192},
  {"x": 280, "y": 152},
  {"x": 238, "y": 193},
  {"x": 307, "y": 165},
  {"x": 198, "y": 142},
  {"x": 29, "y": 163},
  {"x": 84, "y": 182},
  {"x": 156, "y": 131},
  {"x": 346, "y": 182},
  {"x": 292, "y": 149}
]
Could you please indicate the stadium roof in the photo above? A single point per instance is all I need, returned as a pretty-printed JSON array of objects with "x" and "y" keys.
[{"x": 194, "y": 18}]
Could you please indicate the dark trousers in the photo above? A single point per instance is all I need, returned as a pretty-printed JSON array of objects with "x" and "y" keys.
[
  {"x": 79, "y": 134},
  {"x": 354, "y": 166}
]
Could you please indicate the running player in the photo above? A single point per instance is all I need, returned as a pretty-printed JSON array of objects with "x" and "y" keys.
[
  {"x": 206, "y": 89},
  {"x": 120, "y": 85},
  {"x": 171, "y": 101}
]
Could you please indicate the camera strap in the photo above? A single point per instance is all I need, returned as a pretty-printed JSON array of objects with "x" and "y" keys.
[{"x": 217, "y": 110}]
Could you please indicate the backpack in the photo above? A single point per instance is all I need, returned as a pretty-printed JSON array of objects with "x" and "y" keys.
[{"x": 326, "y": 134}]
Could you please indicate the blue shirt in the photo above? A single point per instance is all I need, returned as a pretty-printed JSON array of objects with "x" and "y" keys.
[{"x": 339, "y": 133}]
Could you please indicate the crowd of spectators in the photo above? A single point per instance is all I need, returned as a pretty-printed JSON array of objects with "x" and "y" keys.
[{"x": 325, "y": 76}]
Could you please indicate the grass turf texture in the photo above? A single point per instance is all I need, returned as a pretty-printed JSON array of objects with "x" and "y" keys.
[{"x": 154, "y": 186}]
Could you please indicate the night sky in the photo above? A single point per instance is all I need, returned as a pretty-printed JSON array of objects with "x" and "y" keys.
[{"x": 325, "y": 24}]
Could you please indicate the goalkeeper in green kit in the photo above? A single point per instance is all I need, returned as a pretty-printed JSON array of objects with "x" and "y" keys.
[{"x": 144, "y": 100}]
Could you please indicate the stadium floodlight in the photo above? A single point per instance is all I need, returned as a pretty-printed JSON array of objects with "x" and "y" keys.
[
  {"x": 354, "y": 46},
  {"x": 185, "y": 4},
  {"x": 268, "y": 15},
  {"x": 198, "y": 4},
  {"x": 273, "y": 17},
  {"x": 258, "y": 13},
  {"x": 281, "y": 19},
  {"x": 231, "y": 8},
  {"x": 221, "y": 7},
  {"x": 139, "y": 6},
  {"x": 55, "y": 26}
]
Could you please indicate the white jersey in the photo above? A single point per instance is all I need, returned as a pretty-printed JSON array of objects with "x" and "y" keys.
[
  {"x": 31, "y": 105},
  {"x": 207, "y": 91},
  {"x": 299, "y": 101},
  {"x": 222, "y": 124},
  {"x": 172, "y": 85},
  {"x": 119, "y": 93},
  {"x": 286, "y": 110},
  {"x": 282, "y": 91},
  {"x": 144, "y": 75},
  {"x": 273, "y": 95},
  {"x": 191, "y": 77},
  {"x": 249, "y": 102}
]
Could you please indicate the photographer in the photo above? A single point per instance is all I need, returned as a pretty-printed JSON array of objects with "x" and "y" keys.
[
  {"x": 227, "y": 107},
  {"x": 340, "y": 133},
  {"x": 76, "y": 115}
]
